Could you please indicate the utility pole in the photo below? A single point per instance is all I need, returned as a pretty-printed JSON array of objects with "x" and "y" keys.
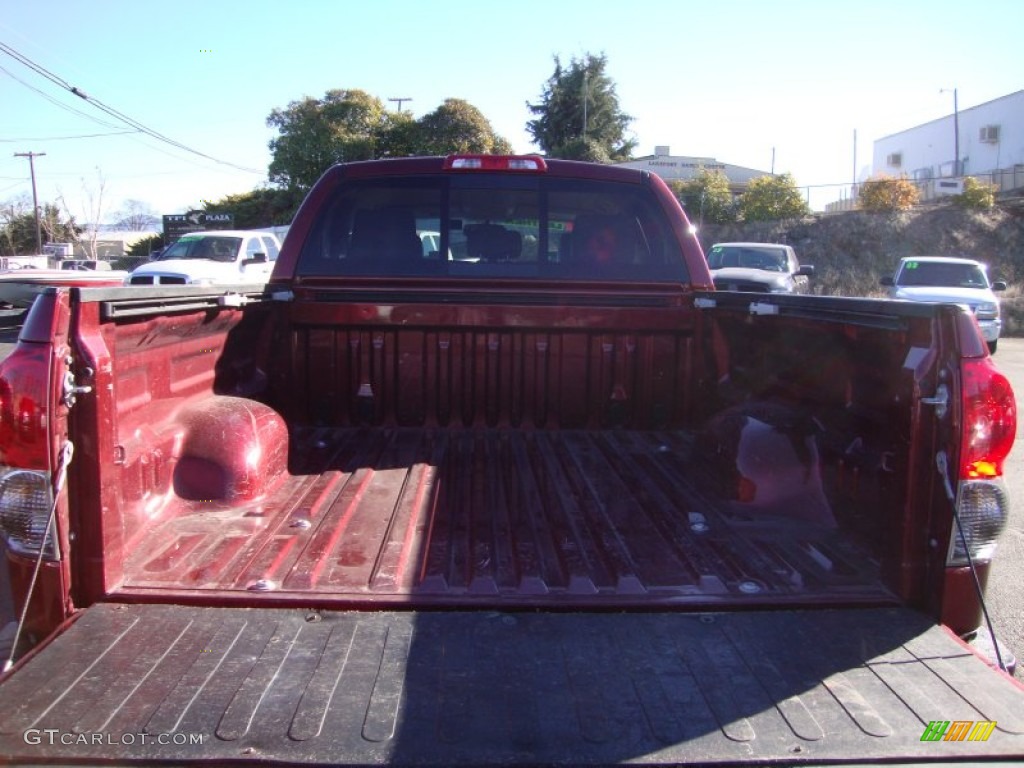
[
  {"x": 956, "y": 135},
  {"x": 400, "y": 100},
  {"x": 586, "y": 93},
  {"x": 854, "y": 186},
  {"x": 956, "y": 132},
  {"x": 35, "y": 203}
]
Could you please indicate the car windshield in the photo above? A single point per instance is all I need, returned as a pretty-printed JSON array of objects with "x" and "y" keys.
[
  {"x": 939, "y": 274},
  {"x": 211, "y": 248},
  {"x": 747, "y": 257}
]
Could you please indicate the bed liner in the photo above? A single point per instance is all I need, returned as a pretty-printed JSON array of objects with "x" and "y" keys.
[{"x": 572, "y": 518}]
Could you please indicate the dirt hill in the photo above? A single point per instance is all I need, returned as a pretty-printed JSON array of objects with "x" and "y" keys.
[{"x": 852, "y": 251}]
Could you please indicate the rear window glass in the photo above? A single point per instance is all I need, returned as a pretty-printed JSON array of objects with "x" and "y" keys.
[{"x": 494, "y": 226}]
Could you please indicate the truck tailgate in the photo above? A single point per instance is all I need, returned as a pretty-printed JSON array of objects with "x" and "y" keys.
[{"x": 176, "y": 683}]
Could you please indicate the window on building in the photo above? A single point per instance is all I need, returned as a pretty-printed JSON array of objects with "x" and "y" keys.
[
  {"x": 989, "y": 134},
  {"x": 895, "y": 160}
]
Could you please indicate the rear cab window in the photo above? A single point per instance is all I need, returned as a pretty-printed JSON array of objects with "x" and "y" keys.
[{"x": 494, "y": 225}]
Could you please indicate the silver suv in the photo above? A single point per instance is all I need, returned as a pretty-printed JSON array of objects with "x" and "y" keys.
[{"x": 950, "y": 280}]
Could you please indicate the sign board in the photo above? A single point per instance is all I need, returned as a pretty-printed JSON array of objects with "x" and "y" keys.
[
  {"x": 59, "y": 250},
  {"x": 178, "y": 224}
]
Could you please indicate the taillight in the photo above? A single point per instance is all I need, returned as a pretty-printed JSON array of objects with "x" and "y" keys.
[
  {"x": 989, "y": 425},
  {"x": 533, "y": 163},
  {"x": 26, "y": 495},
  {"x": 25, "y": 502},
  {"x": 989, "y": 420}
]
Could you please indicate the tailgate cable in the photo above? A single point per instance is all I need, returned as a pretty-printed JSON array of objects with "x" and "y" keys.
[
  {"x": 943, "y": 467},
  {"x": 62, "y": 472}
]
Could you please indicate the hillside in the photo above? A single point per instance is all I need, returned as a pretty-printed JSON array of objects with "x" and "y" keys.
[{"x": 852, "y": 251}]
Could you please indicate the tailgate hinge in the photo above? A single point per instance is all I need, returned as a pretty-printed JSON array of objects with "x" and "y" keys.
[
  {"x": 940, "y": 400},
  {"x": 71, "y": 389}
]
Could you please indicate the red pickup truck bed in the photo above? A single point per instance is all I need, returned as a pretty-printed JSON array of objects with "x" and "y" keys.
[{"x": 571, "y": 518}]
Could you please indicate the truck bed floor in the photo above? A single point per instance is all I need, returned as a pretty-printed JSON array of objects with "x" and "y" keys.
[{"x": 427, "y": 516}]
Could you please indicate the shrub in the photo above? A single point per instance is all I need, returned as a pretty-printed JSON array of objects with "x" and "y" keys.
[
  {"x": 706, "y": 197},
  {"x": 880, "y": 194},
  {"x": 770, "y": 198},
  {"x": 977, "y": 195}
]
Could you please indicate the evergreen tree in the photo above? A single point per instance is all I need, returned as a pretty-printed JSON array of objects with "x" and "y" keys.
[{"x": 578, "y": 116}]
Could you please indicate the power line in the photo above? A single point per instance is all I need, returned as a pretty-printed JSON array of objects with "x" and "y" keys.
[
  {"x": 66, "y": 138},
  {"x": 57, "y": 103},
  {"x": 117, "y": 115}
]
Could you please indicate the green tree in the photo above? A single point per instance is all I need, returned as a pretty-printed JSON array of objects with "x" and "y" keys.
[
  {"x": 18, "y": 228},
  {"x": 145, "y": 246},
  {"x": 706, "y": 197},
  {"x": 259, "y": 208},
  {"x": 977, "y": 195},
  {"x": 314, "y": 134},
  {"x": 578, "y": 116},
  {"x": 882, "y": 193},
  {"x": 458, "y": 127},
  {"x": 399, "y": 136},
  {"x": 770, "y": 198}
]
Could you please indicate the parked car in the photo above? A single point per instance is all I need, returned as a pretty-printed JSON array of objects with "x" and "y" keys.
[
  {"x": 19, "y": 287},
  {"x": 86, "y": 265},
  {"x": 220, "y": 257},
  {"x": 946, "y": 279},
  {"x": 758, "y": 268}
]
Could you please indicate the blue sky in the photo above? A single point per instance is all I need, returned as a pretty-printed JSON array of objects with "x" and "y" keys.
[{"x": 737, "y": 81}]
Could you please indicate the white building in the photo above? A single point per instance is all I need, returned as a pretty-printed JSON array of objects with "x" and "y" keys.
[
  {"x": 990, "y": 139},
  {"x": 675, "y": 168}
]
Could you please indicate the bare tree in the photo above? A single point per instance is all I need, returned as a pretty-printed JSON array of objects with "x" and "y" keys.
[
  {"x": 92, "y": 208},
  {"x": 137, "y": 216}
]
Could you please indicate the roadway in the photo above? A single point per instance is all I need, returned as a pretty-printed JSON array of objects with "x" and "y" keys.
[{"x": 1006, "y": 597}]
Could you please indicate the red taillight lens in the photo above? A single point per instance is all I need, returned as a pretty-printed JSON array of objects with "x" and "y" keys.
[
  {"x": 989, "y": 419},
  {"x": 495, "y": 163},
  {"x": 23, "y": 395}
]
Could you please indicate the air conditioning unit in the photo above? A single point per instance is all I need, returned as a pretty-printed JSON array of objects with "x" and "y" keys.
[
  {"x": 949, "y": 187},
  {"x": 989, "y": 134}
]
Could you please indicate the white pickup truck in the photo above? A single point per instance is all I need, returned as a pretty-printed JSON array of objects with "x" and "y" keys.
[
  {"x": 212, "y": 258},
  {"x": 758, "y": 268}
]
